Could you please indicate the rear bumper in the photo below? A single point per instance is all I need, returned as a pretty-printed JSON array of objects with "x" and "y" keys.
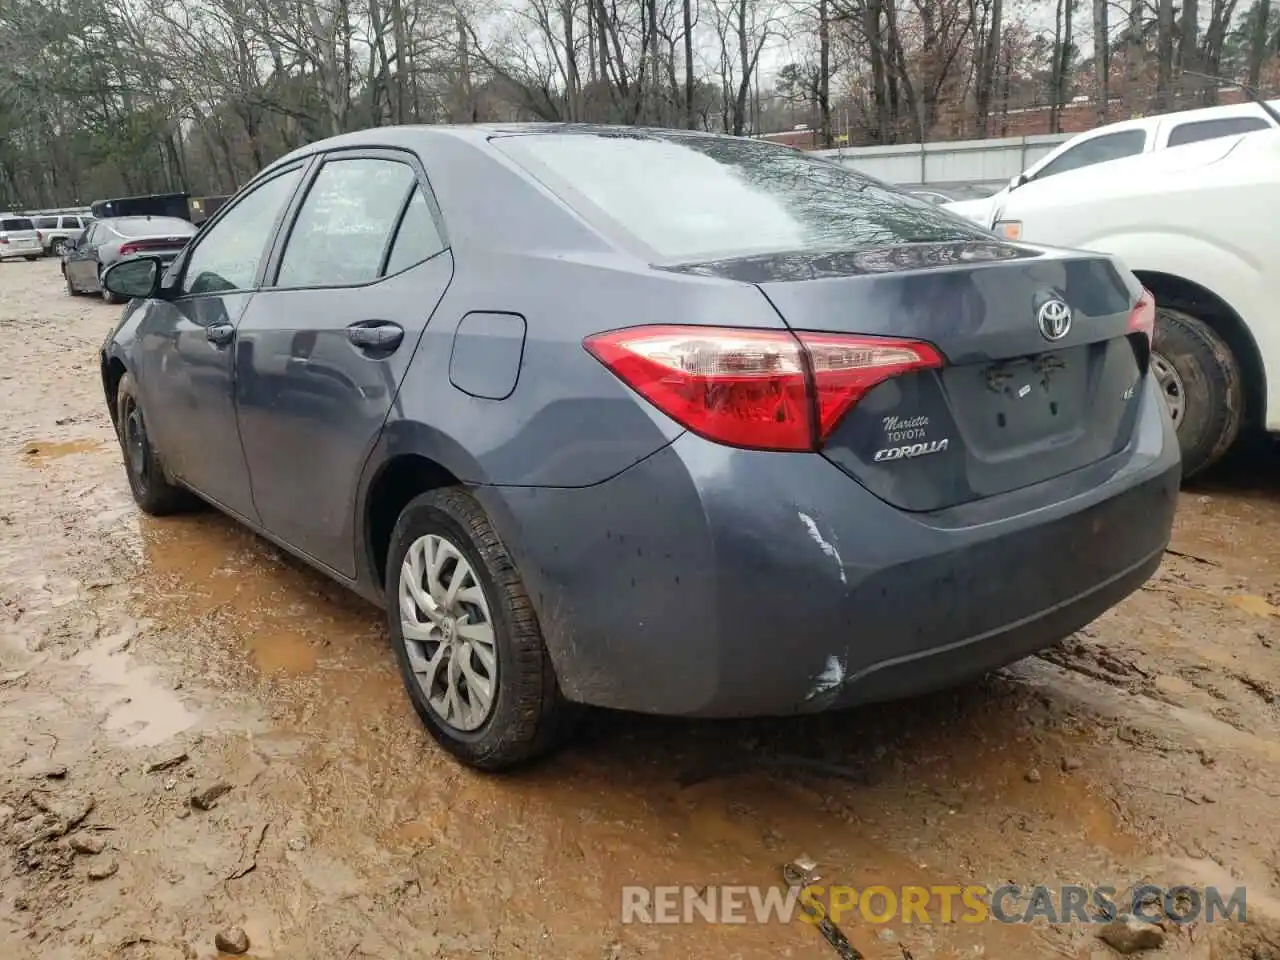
[
  {"x": 706, "y": 581},
  {"x": 11, "y": 251}
]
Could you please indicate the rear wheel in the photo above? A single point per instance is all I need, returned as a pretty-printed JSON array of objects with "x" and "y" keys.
[
  {"x": 151, "y": 488},
  {"x": 55, "y": 248},
  {"x": 31, "y": 259},
  {"x": 1199, "y": 378},
  {"x": 466, "y": 637}
]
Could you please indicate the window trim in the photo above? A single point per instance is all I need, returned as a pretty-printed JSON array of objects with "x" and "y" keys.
[
  {"x": 389, "y": 153},
  {"x": 178, "y": 269}
]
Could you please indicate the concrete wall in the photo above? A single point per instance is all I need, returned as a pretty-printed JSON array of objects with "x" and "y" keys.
[{"x": 976, "y": 162}]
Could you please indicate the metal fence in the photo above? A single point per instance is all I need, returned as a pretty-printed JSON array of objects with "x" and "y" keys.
[{"x": 972, "y": 162}]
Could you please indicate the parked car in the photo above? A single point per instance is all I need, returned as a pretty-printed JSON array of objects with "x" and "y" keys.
[
  {"x": 1196, "y": 225},
  {"x": 18, "y": 238},
  {"x": 942, "y": 194},
  {"x": 1129, "y": 138},
  {"x": 698, "y": 425},
  {"x": 150, "y": 205},
  {"x": 54, "y": 231},
  {"x": 84, "y": 258},
  {"x": 933, "y": 196}
]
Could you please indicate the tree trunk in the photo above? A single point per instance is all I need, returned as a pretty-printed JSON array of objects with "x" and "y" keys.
[
  {"x": 1258, "y": 40},
  {"x": 1133, "y": 56},
  {"x": 824, "y": 72},
  {"x": 988, "y": 59},
  {"x": 690, "y": 120},
  {"x": 1188, "y": 27},
  {"x": 1164, "y": 55},
  {"x": 1101, "y": 59}
]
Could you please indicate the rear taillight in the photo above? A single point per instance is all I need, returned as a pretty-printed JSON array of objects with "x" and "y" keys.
[
  {"x": 760, "y": 389},
  {"x": 129, "y": 248},
  {"x": 1143, "y": 318},
  {"x": 4, "y": 239},
  {"x": 39, "y": 237}
]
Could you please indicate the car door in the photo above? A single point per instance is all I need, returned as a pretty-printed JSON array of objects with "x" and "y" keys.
[
  {"x": 91, "y": 266},
  {"x": 323, "y": 347},
  {"x": 187, "y": 344},
  {"x": 81, "y": 262}
]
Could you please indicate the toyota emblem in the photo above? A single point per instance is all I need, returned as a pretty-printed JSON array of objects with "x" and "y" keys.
[{"x": 1054, "y": 318}]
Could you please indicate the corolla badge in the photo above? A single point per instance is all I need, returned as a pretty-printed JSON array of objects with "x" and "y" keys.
[{"x": 1054, "y": 317}]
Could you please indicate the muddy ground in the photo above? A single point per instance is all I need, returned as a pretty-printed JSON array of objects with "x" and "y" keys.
[{"x": 1145, "y": 747}]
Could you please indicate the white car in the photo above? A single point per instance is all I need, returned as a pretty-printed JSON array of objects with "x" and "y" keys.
[
  {"x": 1128, "y": 138},
  {"x": 1200, "y": 227}
]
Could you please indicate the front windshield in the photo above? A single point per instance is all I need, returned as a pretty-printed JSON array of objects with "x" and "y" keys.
[{"x": 690, "y": 197}]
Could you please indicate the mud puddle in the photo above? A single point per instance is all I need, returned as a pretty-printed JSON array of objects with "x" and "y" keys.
[{"x": 160, "y": 663}]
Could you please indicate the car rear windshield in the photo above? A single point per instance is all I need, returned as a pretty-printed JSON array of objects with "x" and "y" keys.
[
  {"x": 17, "y": 223},
  {"x": 689, "y": 197},
  {"x": 152, "y": 227}
]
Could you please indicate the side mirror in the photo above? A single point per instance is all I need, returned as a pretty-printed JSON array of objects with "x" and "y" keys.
[
  {"x": 136, "y": 277},
  {"x": 1018, "y": 181}
]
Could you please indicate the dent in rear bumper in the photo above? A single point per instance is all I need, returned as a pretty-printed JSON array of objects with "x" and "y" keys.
[{"x": 718, "y": 582}]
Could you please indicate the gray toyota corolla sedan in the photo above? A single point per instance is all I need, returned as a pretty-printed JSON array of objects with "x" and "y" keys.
[{"x": 651, "y": 420}]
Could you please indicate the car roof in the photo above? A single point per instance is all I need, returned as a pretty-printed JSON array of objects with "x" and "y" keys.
[
  {"x": 478, "y": 134},
  {"x": 1178, "y": 116}
]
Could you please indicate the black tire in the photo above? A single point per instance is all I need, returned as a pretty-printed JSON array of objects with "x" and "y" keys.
[
  {"x": 1211, "y": 387},
  {"x": 529, "y": 717},
  {"x": 31, "y": 259},
  {"x": 152, "y": 490},
  {"x": 107, "y": 295},
  {"x": 55, "y": 247}
]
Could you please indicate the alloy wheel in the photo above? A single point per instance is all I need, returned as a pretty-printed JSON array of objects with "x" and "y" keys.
[{"x": 448, "y": 632}]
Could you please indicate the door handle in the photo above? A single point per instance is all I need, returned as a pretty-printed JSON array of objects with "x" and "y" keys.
[
  {"x": 220, "y": 333},
  {"x": 378, "y": 335}
]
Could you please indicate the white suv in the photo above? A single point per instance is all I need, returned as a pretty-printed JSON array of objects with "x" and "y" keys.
[
  {"x": 1199, "y": 225},
  {"x": 18, "y": 238},
  {"x": 1128, "y": 138},
  {"x": 55, "y": 231}
]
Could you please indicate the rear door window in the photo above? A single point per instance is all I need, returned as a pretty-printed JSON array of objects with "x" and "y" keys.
[
  {"x": 46, "y": 223},
  {"x": 1109, "y": 146},
  {"x": 1210, "y": 129},
  {"x": 418, "y": 238},
  {"x": 691, "y": 197},
  {"x": 345, "y": 224}
]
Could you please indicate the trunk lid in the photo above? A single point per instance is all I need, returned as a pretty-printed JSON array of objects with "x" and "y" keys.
[{"x": 1028, "y": 391}]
